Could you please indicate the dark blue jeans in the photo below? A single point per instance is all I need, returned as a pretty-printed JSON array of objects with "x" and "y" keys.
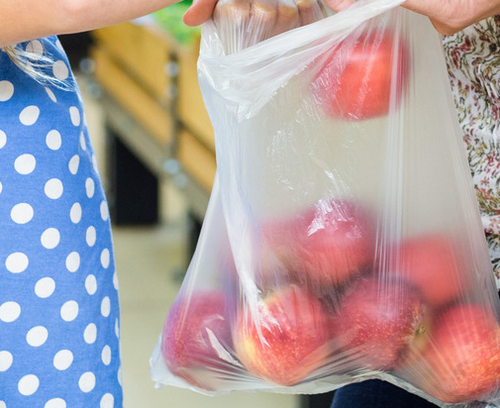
[{"x": 377, "y": 394}]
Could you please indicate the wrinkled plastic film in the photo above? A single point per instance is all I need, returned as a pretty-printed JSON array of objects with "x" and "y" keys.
[
  {"x": 342, "y": 240},
  {"x": 241, "y": 24}
]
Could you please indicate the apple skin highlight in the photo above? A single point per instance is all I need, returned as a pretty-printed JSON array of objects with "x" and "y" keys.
[
  {"x": 192, "y": 326},
  {"x": 324, "y": 244},
  {"x": 378, "y": 322},
  {"x": 461, "y": 362},
  {"x": 363, "y": 77},
  {"x": 288, "y": 341}
]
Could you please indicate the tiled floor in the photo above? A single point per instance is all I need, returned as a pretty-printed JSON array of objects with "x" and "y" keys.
[{"x": 149, "y": 261}]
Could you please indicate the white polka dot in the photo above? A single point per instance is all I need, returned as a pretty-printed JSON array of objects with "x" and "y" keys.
[
  {"x": 90, "y": 187},
  {"x": 90, "y": 236},
  {"x": 54, "y": 188},
  {"x": 69, "y": 311},
  {"x": 87, "y": 382},
  {"x": 107, "y": 401},
  {"x": 55, "y": 403},
  {"x": 35, "y": 47},
  {"x": 9, "y": 311},
  {"x": 115, "y": 281},
  {"x": 73, "y": 164},
  {"x": 1, "y": 187},
  {"x": 50, "y": 238},
  {"x": 37, "y": 336},
  {"x": 104, "y": 211},
  {"x": 63, "y": 359},
  {"x": 6, "y": 90},
  {"x": 106, "y": 355},
  {"x": 73, "y": 261},
  {"x": 22, "y": 213},
  {"x": 105, "y": 258},
  {"x": 90, "y": 333},
  {"x": 74, "y": 113},
  {"x": 17, "y": 262},
  {"x": 83, "y": 144},
  {"x": 45, "y": 287},
  {"x": 94, "y": 163},
  {"x": 105, "y": 307},
  {"x": 5, "y": 360},
  {"x": 2, "y": 404},
  {"x": 53, "y": 140},
  {"x": 51, "y": 94},
  {"x": 3, "y": 139},
  {"x": 75, "y": 213},
  {"x": 28, "y": 384},
  {"x": 25, "y": 164},
  {"x": 119, "y": 375},
  {"x": 117, "y": 328},
  {"x": 60, "y": 70},
  {"x": 29, "y": 115},
  {"x": 91, "y": 284}
]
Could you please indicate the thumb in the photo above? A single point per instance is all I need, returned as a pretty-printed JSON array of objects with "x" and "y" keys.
[
  {"x": 199, "y": 12},
  {"x": 338, "y": 5}
]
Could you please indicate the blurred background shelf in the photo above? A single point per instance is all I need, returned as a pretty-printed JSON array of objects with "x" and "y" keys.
[{"x": 153, "y": 104}]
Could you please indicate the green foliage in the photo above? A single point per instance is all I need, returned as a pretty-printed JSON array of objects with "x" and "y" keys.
[{"x": 170, "y": 20}]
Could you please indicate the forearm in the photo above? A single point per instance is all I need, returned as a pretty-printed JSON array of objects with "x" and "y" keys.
[
  {"x": 24, "y": 20},
  {"x": 448, "y": 16},
  {"x": 451, "y": 16}
]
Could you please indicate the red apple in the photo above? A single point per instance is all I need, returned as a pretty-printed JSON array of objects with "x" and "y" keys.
[
  {"x": 432, "y": 264},
  {"x": 195, "y": 334},
  {"x": 461, "y": 362},
  {"x": 378, "y": 321},
  {"x": 362, "y": 76},
  {"x": 325, "y": 244},
  {"x": 286, "y": 339}
]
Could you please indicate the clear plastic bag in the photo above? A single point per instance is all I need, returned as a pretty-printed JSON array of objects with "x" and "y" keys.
[{"x": 342, "y": 241}]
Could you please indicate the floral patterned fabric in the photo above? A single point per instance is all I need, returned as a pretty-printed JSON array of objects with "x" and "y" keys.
[{"x": 473, "y": 58}]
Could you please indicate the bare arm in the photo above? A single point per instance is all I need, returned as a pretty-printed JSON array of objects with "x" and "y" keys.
[
  {"x": 24, "y": 20},
  {"x": 447, "y": 16},
  {"x": 451, "y": 16}
]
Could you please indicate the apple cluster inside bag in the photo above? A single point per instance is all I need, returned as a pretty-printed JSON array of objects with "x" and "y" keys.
[{"x": 342, "y": 241}]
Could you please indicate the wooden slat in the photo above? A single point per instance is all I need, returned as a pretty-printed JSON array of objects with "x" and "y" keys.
[
  {"x": 191, "y": 108},
  {"x": 141, "y": 52},
  {"x": 143, "y": 107}
]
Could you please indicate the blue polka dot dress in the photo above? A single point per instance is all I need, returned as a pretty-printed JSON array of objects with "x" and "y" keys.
[{"x": 59, "y": 315}]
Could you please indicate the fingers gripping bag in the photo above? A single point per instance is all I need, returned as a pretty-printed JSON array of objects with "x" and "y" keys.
[{"x": 342, "y": 241}]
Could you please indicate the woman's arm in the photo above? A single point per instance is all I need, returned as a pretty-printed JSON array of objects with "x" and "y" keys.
[
  {"x": 451, "y": 16},
  {"x": 447, "y": 16},
  {"x": 24, "y": 20}
]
